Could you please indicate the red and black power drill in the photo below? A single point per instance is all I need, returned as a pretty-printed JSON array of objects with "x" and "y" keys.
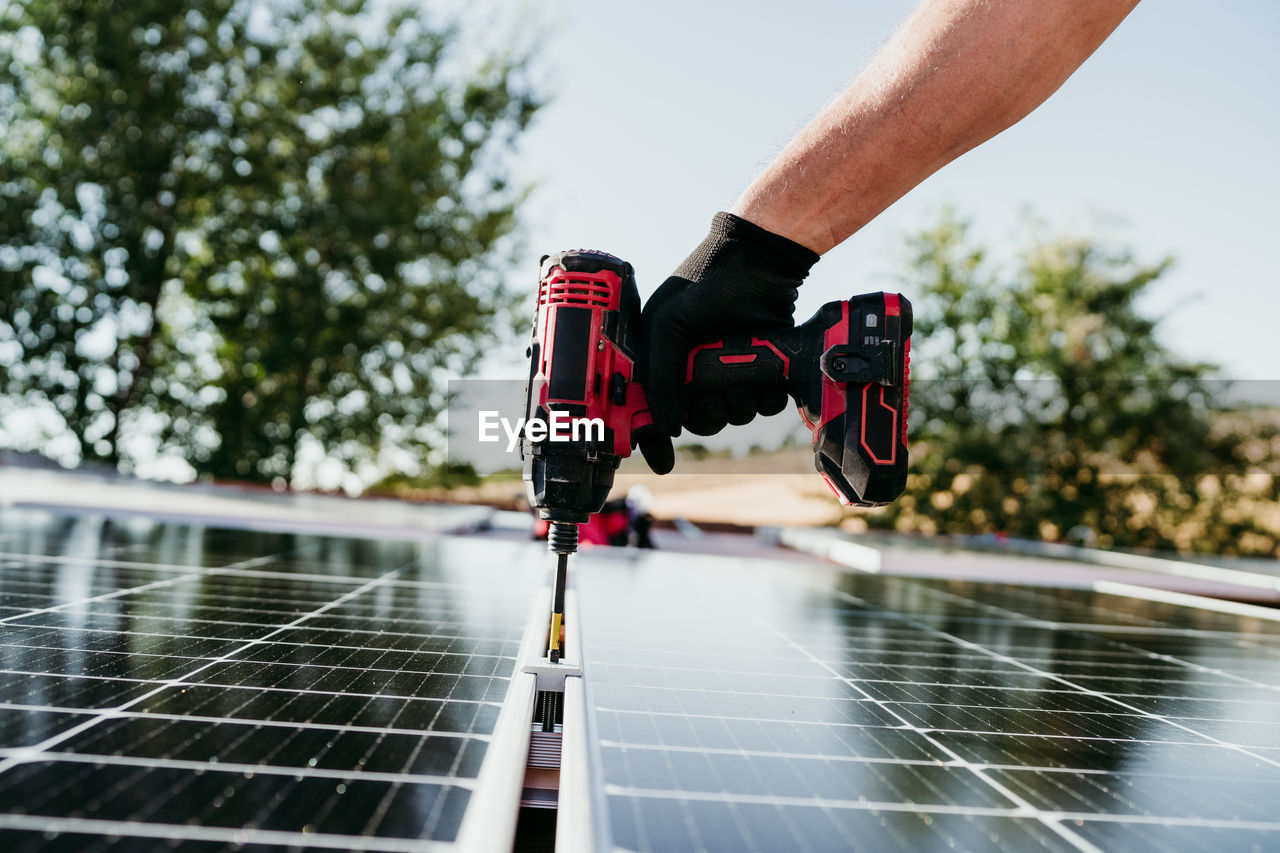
[{"x": 846, "y": 368}]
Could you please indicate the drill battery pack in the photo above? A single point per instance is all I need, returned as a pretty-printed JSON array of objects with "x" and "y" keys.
[{"x": 848, "y": 370}]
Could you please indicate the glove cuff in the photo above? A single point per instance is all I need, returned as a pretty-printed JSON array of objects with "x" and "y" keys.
[{"x": 779, "y": 255}]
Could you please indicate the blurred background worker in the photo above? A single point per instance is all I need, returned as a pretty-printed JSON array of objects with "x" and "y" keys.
[
  {"x": 956, "y": 73},
  {"x": 621, "y": 522}
]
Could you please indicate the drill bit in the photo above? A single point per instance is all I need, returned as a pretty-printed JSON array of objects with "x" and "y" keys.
[
  {"x": 557, "y": 607},
  {"x": 562, "y": 540}
]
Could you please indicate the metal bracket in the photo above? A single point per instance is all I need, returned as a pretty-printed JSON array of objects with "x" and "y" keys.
[{"x": 550, "y": 676}]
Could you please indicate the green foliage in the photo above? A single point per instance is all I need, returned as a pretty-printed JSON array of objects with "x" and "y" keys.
[
  {"x": 443, "y": 477},
  {"x": 1043, "y": 404},
  {"x": 246, "y": 228}
]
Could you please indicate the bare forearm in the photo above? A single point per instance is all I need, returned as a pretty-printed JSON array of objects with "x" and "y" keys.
[{"x": 955, "y": 74}]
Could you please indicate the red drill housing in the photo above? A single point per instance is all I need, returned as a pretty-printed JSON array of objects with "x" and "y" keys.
[{"x": 582, "y": 365}]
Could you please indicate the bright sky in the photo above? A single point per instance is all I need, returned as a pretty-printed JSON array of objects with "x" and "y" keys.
[{"x": 1167, "y": 141}]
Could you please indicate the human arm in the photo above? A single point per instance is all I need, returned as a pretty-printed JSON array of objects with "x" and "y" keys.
[{"x": 955, "y": 74}]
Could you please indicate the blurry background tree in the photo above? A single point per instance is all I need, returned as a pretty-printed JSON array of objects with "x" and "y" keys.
[
  {"x": 238, "y": 229},
  {"x": 1043, "y": 406}
]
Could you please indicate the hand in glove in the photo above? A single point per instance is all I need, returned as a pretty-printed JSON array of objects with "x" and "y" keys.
[{"x": 741, "y": 279}]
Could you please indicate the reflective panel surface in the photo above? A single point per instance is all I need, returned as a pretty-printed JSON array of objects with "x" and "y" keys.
[
  {"x": 741, "y": 705},
  {"x": 162, "y": 683}
]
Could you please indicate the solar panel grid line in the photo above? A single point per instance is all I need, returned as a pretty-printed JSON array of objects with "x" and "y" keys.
[
  {"x": 248, "y": 670},
  {"x": 1086, "y": 690},
  {"x": 305, "y": 726},
  {"x": 35, "y": 659},
  {"x": 349, "y": 694},
  {"x": 1269, "y": 689},
  {"x": 999, "y": 667},
  {"x": 372, "y": 621},
  {"x": 417, "y": 650},
  {"x": 494, "y": 666},
  {"x": 389, "y": 633},
  {"x": 1198, "y": 667},
  {"x": 1166, "y": 820},
  {"x": 1113, "y": 648},
  {"x": 220, "y": 835},
  {"x": 234, "y": 601},
  {"x": 1084, "y": 630},
  {"x": 749, "y": 753},
  {"x": 733, "y": 717},
  {"x": 395, "y": 583},
  {"x": 1055, "y": 694},
  {"x": 431, "y": 713},
  {"x": 242, "y": 571},
  {"x": 973, "y": 664},
  {"x": 61, "y": 559},
  {"x": 41, "y": 648},
  {"x": 187, "y": 573},
  {"x": 28, "y": 753},
  {"x": 103, "y": 597},
  {"x": 100, "y": 634},
  {"x": 104, "y": 655},
  {"x": 259, "y": 769},
  {"x": 1066, "y": 628},
  {"x": 103, "y": 617},
  {"x": 1054, "y": 826},
  {"x": 133, "y": 633},
  {"x": 1015, "y": 811},
  {"x": 176, "y": 620},
  {"x": 1083, "y": 738},
  {"x": 383, "y": 653},
  {"x": 109, "y": 678},
  {"x": 860, "y": 759}
]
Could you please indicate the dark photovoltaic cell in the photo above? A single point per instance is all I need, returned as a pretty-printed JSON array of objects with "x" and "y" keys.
[
  {"x": 163, "y": 683},
  {"x": 752, "y": 706}
]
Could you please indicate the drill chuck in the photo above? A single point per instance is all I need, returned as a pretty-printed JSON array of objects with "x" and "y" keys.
[{"x": 562, "y": 537}]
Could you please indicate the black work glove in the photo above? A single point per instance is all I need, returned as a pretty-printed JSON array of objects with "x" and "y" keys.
[{"x": 741, "y": 279}]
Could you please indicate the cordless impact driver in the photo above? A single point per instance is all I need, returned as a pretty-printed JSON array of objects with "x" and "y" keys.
[{"x": 846, "y": 368}]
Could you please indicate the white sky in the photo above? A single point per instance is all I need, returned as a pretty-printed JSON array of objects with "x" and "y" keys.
[{"x": 1167, "y": 141}]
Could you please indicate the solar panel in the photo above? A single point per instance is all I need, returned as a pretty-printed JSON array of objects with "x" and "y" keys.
[
  {"x": 225, "y": 687},
  {"x": 165, "y": 685},
  {"x": 747, "y": 706}
]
